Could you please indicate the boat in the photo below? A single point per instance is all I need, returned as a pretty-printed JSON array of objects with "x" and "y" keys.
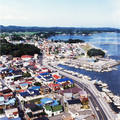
[
  {"x": 104, "y": 84},
  {"x": 105, "y": 90}
]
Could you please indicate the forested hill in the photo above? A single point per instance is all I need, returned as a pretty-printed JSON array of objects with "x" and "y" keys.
[
  {"x": 18, "y": 49},
  {"x": 67, "y": 30}
]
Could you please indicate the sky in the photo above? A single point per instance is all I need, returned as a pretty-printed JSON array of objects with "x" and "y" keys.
[{"x": 60, "y": 13}]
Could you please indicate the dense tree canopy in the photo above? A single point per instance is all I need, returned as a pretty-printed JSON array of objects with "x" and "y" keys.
[
  {"x": 71, "y": 41},
  {"x": 95, "y": 52},
  {"x": 26, "y": 74},
  {"x": 16, "y": 38},
  {"x": 18, "y": 50},
  {"x": 67, "y": 30}
]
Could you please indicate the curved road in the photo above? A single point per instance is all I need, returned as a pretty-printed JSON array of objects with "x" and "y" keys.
[{"x": 101, "y": 112}]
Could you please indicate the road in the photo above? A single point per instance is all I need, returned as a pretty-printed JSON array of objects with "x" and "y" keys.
[{"x": 103, "y": 112}]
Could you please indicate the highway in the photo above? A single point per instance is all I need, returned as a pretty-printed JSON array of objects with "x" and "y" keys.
[{"x": 103, "y": 111}]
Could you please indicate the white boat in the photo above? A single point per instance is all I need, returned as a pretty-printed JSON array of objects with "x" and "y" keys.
[
  {"x": 110, "y": 95},
  {"x": 104, "y": 84},
  {"x": 106, "y": 90},
  {"x": 117, "y": 103}
]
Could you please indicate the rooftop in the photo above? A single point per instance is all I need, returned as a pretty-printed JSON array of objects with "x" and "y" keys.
[{"x": 57, "y": 108}]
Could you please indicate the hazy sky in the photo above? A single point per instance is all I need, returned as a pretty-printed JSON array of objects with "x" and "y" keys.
[{"x": 66, "y": 13}]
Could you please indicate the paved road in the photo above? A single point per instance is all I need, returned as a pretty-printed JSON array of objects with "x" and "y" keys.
[{"x": 102, "y": 112}]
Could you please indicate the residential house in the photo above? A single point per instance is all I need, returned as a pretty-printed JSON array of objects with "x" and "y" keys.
[
  {"x": 83, "y": 95},
  {"x": 28, "y": 106},
  {"x": 53, "y": 110},
  {"x": 2, "y": 100},
  {"x": 54, "y": 87},
  {"x": 36, "y": 109},
  {"x": 44, "y": 90},
  {"x": 74, "y": 113},
  {"x": 65, "y": 82},
  {"x": 12, "y": 113},
  {"x": 26, "y": 57},
  {"x": 74, "y": 103},
  {"x": 55, "y": 76},
  {"x": 74, "y": 91},
  {"x": 35, "y": 112},
  {"x": 24, "y": 86},
  {"x": 46, "y": 77}
]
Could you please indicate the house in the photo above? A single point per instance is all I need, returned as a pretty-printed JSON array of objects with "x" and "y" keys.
[
  {"x": 2, "y": 101},
  {"x": 44, "y": 69},
  {"x": 28, "y": 106},
  {"x": 49, "y": 101},
  {"x": 36, "y": 109},
  {"x": 65, "y": 81},
  {"x": 24, "y": 86},
  {"x": 74, "y": 91},
  {"x": 24, "y": 94},
  {"x": 74, "y": 113},
  {"x": 48, "y": 110},
  {"x": 54, "y": 87},
  {"x": 6, "y": 91},
  {"x": 12, "y": 113},
  {"x": 35, "y": 87},
  {"x": 46, "y": 101},
  {"x": 45, "y": 74},
  {"x": 57, "y": 109},
  {"x": 26, "y": 57},
  {"x": 44, "y": 89},
  {"x": 10, "y": 79},
  {"x": 68, "y": 96},
  {"x": 35, "y": 112},
  {"x": 53, "y": 110},
  {"x": 55, "y": 77},
  {"x": 83, "y": 95},
  {"x": 74, "y": 103}
]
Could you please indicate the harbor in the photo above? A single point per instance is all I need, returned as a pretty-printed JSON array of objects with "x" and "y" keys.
[{"x": 110, "y": 97}]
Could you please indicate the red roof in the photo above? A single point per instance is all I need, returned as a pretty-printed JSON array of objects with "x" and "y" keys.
[
  {"x": 26, "y": 56},
  {"x": 22, "y": 90},
  {"x": 43, "y": 68},
  {"x": 8, "y": 95},
  {"x": 15, "y": 113},
  {"x": 56, "y": 76},
  {"x": 29, "y": 83},
  {"x": 41, "y": 72},
  {"x": 54, "y": 85},
  {"x": 1, "y": 94}
]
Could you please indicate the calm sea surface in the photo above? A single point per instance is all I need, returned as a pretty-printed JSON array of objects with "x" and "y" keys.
[
  {"x": 111, "y": 78},
  {"x": 106, "y": 41}
]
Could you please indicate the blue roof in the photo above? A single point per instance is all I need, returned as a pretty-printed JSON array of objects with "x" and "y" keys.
[
  {"x": 65, "y": 80},
  {"x": 36, "y": 92},
  {"x": 46, "y": 100},
  {"x": 11, "y": 70},
  {"x": 48, "y": 77},
  {"x": 2, "y": 99},
  {"x": 39, "y": 76},
  {"x": 35, "y": 87},
  {"x": 55, "y": 103},
  {"x": 23, "y": 94},
  {"x": 71, "y": 81},
  {"x": 39, "y": 105},
  {"x": 17, "y": 71},
  {"x": 25, "y": 84},
  {"x": 42, "y": 74},
  {"x": 5, "y": 118},
  {"x": 11, "y": 101}
]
